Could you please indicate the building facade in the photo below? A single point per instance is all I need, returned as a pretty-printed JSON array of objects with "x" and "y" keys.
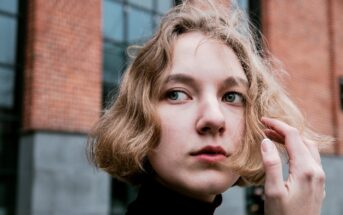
[{"x": 61, "y": 61}]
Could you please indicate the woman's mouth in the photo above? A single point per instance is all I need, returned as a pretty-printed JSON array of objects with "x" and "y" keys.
[{"x": 210, "y": 154}]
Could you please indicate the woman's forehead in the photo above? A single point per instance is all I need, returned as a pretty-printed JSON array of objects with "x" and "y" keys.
[{"x": 196, "y": 54}]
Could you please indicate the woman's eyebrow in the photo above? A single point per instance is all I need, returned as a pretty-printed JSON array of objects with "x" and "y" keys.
[
  {"x": 235, "y": 81},
  {"x": 186, "y": 79},
  {"x": 181, "y": 78}
]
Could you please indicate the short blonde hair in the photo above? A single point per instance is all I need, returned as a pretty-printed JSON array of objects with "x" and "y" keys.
[{"x": 129, "y": 129}]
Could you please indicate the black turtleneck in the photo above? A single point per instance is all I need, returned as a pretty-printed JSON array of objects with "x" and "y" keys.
[{"x": 154, "y": 198}]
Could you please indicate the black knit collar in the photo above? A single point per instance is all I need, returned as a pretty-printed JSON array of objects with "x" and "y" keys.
[{"x": 154, "y": 198}]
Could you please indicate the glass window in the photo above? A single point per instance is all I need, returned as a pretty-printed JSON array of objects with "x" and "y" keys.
[
  {"x": 157, "y": 22},
  {"x": 244, "y": 4},
  {"x": 143, "y": 3},
  {"x": 9, "y": 6},
  {"x": 164, "y": 6},
  {"x": 6, "y": 88},
  {"x": 7, "y": 194},
  {"x": 8, "y": 162},
  {"x": 8, "y": 146},
  {"x": 8, "y": 38},
  {"x": 8, "y": 115},
  {"x": 2, "y": 197},
  {"x": 113, "y": 63},
  {"x": 113, "y": 20},
  {"x": 140, "y": 25}
]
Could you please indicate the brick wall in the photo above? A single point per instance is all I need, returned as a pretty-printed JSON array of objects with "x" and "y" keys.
[
  {"x": 62, "y": 65},
  {"x": 299, "y": 33}
]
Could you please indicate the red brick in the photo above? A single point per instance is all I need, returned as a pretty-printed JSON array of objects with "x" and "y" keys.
[{"x": 63, "y": 65}]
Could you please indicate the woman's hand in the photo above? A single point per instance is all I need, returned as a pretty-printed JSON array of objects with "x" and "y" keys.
[{"x": 304, "y": 190}]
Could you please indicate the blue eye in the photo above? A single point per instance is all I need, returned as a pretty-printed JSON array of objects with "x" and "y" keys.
[
  {"x": 233, "y": 98},
  {"x": 177, "y": 95}
]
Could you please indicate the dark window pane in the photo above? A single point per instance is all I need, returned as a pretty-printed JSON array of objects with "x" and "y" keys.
[
  {"x": 113, "y": 63},
  {"x": 140, "y": 25},
  {"x": 8, "y": 162},
  {"x": 143, "y": 3},
  {"x": 113, "y": 20},
  {"x": 9, "y": 6},
  {"x": 8, "y": 147},
  {"x": 7, "y": 195},
  {"x": 6, "y": 88},
  {"x": 164, "y": 6},
  {"x": 2, "y": 198},
  {"x": 8, "y": 37}
]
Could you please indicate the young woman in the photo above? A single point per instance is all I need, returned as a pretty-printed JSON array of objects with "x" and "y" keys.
[{"x": 197, "y": 111}]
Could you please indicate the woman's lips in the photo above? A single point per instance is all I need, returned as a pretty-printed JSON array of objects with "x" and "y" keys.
[
  {"x": 210, "y": 157},
  {"x": 210, "y": 154}
]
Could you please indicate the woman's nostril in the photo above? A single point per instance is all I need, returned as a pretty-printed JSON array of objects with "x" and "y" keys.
[
  {"x": 212, "y": 129},
  {"x": 221, "y": 130},
  {"x": 205, "y": 129}
]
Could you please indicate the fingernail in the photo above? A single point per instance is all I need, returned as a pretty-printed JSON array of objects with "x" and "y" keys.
[{"x": 267, "y": 145}]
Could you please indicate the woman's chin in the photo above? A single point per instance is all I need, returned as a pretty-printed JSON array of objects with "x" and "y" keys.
[{"x": 212, "y": 185}]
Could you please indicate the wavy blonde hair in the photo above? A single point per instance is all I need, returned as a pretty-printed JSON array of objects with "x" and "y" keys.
[{"x": 129, "y": 128}]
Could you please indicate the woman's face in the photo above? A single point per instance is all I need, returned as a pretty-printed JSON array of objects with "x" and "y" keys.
[{"x": 202, "y": 118}]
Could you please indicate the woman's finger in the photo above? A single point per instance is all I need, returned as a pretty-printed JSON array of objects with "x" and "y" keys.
[
  {"x": 295, "y": 147},
  {"x": 274, "y": 184},
  {"x": 274, "y": 136},
  {"x": 313, "y": 148}
]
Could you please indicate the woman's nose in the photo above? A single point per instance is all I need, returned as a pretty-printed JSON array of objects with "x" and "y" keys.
[{"x": 211, "y": 119}]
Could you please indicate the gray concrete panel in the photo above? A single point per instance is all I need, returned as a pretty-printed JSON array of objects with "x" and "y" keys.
[
  {"x": 56, "y": 178},
  {"x": 333, "y": 202}
]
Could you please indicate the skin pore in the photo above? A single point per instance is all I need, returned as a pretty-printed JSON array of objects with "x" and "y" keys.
[{"x": 201, "y": 110}]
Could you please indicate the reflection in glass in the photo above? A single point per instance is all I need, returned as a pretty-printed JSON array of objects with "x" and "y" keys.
[
  {"x": 243, "y": 4},
  {"x": 140, "y": 25},
  {"x": 164, "y": 6},
  {"x": 6, "y": 88},
  {"x": 8, "y": 28},
  {"x": 113, "y": 23},
  {"x": 9, "y": 6},
  {"x": 113, "y": 63},
  {"x": 148, "y": 4},
  {"x": 157, "y": 22}
]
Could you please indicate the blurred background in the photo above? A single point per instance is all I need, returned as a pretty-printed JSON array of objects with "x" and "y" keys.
[{"x": 61, "y": 62}]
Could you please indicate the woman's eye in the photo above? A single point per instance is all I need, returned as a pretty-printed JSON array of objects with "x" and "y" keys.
[
  {"x": 177, "y": 95},
  {"x": 234, "y": 98}
]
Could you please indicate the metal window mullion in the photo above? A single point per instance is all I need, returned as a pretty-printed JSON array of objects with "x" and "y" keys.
[
  {"x": 126, "y": 29},
  {"x": 7, "y": 65},
  {"x": 8, "y": 14},
  {"x": 154, "y": 15},
  {"x": 112, "y": 41}
]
